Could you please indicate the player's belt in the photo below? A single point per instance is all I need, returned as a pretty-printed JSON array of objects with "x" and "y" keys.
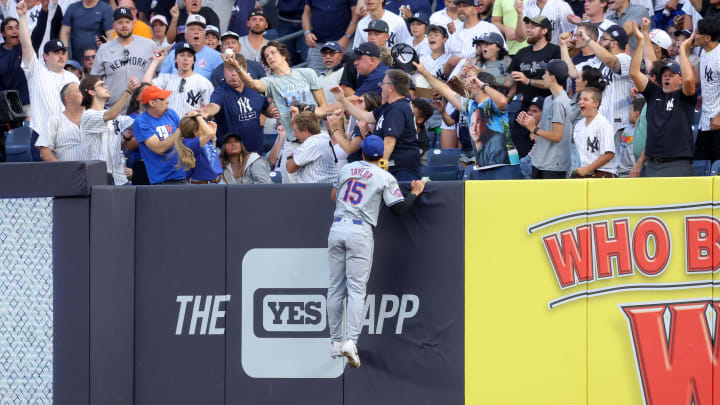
[{"x": 348, "y": 221}]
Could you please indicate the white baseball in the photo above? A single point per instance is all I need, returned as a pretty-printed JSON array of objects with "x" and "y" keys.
[{"x": 229, "y": 53}]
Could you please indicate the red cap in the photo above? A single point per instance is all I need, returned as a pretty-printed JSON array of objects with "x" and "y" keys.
[{"x": 152, "y": 92}]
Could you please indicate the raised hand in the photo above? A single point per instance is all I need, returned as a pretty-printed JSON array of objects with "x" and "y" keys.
[
  {"x": 439, "y": 104},
  {"x": 519, "y": 6},
  {"x": 573, "y": 19},
  {"x": 175, "y": 12},
  {"x": 417, "y": 186},
  {"x": 133, "y": 84},
  {"x": 451, "y": 27},
  {"x": 21, "y": 8},
  {"x": 688, "y": 43},
  {"x": 639, "y": 35},
  {"x": 645, "y": 25},
  {"x": 565, "y": 38}
]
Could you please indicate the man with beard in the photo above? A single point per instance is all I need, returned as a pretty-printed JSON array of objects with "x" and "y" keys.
[
  {"x": 206, "y": 59},
  {"x": 485, "y": 9},
  {"x": 670, "y": 111},
  {"x": 11, "y": 73},
  {"x": 252, "y": 43},
  {"x": 527, "y": 73},
  {"x": 140, "y": 28},
  {"x": 557, "y": 11},
  {"x": 397, "y": 28},
  {"x": 332, "y": 55},
  {"x": 460, "y": 45},
  {"x": 124, "y": 57}
]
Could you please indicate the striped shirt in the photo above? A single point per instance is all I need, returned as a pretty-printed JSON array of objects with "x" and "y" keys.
[
  {"x": 434, "y": 66},
  {"x": 100, "y": 142},
  {"x": 556, "y": 11},
  {"x": 63, "y": 138},
  {"x": 423, "y": 48},
  {"x": 461, "y": 42},
  {"x": 44, "y": 87},
  {"x": 442, "y": 19},
  {"x": 188, "y": 93},
  {"x": 709, "y": 87},
  {"x": 616, "y": 101},
  {"x": 593, "y": 140},
  {"x": 316, "y": 160},
  {"x": 398, "y": 29}
]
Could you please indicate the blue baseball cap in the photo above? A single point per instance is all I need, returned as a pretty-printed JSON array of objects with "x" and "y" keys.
[
  {"x": 334, "y": 45},
  {"x": 672, "y": 65},
  {"x": 420, "y": 17},
  {"x": 74, "y": 64},
  {"x": 373, "y": 146}
]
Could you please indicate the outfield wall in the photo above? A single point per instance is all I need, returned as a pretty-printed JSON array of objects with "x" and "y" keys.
[{"x": 493, "y": 292}]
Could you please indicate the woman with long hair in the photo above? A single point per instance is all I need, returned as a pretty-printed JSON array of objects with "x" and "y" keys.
[
  {"x": 351, "y": 145},
  {"x": 133, "y": 160},
  {"x": 195, "y": 153},
  {"x": 241, "y": 166}
]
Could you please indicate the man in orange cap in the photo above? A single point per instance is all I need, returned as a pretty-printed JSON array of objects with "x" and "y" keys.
[{"x": 156, "y": 130}]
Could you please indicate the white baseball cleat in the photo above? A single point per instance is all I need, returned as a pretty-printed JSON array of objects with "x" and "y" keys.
[
  {"x": 335, "y": 349},
  {"x": 349, "y": 350}
]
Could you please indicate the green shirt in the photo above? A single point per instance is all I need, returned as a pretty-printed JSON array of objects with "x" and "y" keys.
[
  {"x": 640, "y": 134},
  {"x": 506, "y": 10}
]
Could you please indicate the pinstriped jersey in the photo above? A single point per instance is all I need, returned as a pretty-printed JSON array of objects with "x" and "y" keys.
[
  {"x": 554, "y": 10},
  {"x": 616, "y": 100},
  {"x": 710, "y": 86},
  {"x": 461, "y": 42},
  {"x": 361, "y": 187}
]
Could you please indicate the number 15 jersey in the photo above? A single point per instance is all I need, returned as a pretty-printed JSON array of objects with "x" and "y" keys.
[{"x": 361, "y": 187}]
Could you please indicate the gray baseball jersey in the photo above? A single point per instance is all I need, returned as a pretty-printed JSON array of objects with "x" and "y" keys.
[
  {"x": 361, "y": 187},
  {"x": 118, "y": 63}
]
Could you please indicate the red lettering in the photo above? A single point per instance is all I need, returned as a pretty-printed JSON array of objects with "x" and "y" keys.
[
  {"x": 656, "y": 263},
  {"x": 703, "y": 245},
  {"x": 619, "y": 247},
  {"x": 571, "y": 257},
  {"x": 683, "y": 369}
]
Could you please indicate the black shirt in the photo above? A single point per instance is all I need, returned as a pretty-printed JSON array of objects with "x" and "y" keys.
[
  {"x": 709, "y": 10},
  {"x": 669, "y": 123},
  {"x": 397, "y": 119},
  {"x": 12, "y": 76},
  {"x": 350, "y": 75},
  {"x": 528, "y": 62},
  {"x": 210, "y": 19}
]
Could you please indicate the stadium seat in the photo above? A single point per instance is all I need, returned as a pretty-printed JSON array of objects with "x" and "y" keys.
[
  {"x": 443, "y": 157},
  {"x": 440, "y": 173},
  {"x": 701, "y": 167},
  {"x": 19, "y": 145},
  {"x": 696, "y": 125},
  {"x": 269, "y": 141},
  {"x": 276, "y": 177},
  {"x": 502, "y": 172},
  {"x": 715, "y": 168}
]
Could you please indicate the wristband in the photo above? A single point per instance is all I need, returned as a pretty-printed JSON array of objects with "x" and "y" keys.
[
  {"x": 528, "y": 83},
  {"x": 307, "y": 32},
  {"x": 348, "y": 36},
  {"x": 483, "y": 86},
  {"x": 535, "y": 130},
  {"x": 128, "y": 92},
  {"x": 587, "y": 41}
]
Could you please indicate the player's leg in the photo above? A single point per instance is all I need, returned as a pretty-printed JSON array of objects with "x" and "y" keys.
[
  {"x": 336, "y": 287},
  {"x": 359, "y": 263}
]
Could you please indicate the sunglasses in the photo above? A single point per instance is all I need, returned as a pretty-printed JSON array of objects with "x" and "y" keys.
[{"x": 89, "y": 57}]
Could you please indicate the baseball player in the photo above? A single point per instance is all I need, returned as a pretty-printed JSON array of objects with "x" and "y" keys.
[{"x": 358, "y": 191}]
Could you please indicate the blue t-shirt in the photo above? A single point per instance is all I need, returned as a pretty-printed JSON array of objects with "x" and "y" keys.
[
  {"x": 372, "y": 81},
  {"x": 330, "y": 18},
  {"x": 397, "y": 119},
  {"x": 207, "y": 161},
  {"x": 159, "y": 168},
  {"x": 239, "y": 16},
  {"x": 254, "y": 69},
  {"x": 240, "y": 113},
  {"x": 12, "y": 76},
  {"x": 85, "y": 24},
  {"x": 205, "y": 62},
  {"x": 132, "y": 155}
]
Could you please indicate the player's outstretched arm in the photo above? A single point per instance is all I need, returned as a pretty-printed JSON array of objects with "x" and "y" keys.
[{"x": 416, "y": 188}]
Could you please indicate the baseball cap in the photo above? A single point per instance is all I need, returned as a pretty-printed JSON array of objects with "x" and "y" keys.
[
  {"x": 334, "y": 45},
  {"x": 490, "y": 38},
  {"x": 153, "y": 92},
  {"x": 557, "y": 67},
  {"x": 74, "y": 64},
  {"x": 158, "y": 17},
  {"x": 377, "y": 25},
  {"x": 184, "y": 47},
  {"x": 231, "y": 135},
  {"x": 672, "y": 65},
  {"x": 211, "y": 29},
  {"x": 685, "y": 33},
  {"x": 470, "y": 2},
  {"x": 420, "y": 17},
  {"x": 257, "y": 11},
  {"x": 369, "y": 49},
  {"x": 125, "y": 122},
  {"x": 54, "y": 46},
  {"x": 373, "y": 146},
  {"x": 403, "y": 57},
  {"x": 538, "y": 101},
  {"x": 440, "y": 28},
  {"x": 195, "y": 19},
  {"x": 618, "y": 34},
  {"x": 539, "y": 20},
  {"x": 122, "y": 12},
  {"x": 230, "y": 34},
  {"x": 660, "y": 38}
]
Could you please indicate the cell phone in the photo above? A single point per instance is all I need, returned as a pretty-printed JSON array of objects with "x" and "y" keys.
[
  {"x": 102, "y": 39},
  {"x": 158, "y": 54}
]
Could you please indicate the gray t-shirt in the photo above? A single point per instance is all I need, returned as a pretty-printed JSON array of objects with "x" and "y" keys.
[
  {"x": 248, "y": 51},
  {"x": 283, "y": 90},
  {"x": 549, "y": 155},
  {"x": 632, "y": 13},
  {"x": 118, "y": 63}
]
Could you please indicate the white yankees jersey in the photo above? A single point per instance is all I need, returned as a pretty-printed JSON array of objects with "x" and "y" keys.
[
  {"x": 316, "y": 160},
  {"x": 593, "y": 140},
  {"x": 690, "y": 10},
  {"x": 710, "y": 87},
  {"x": 556, "y": 11},
  {"x": 188, "y": 93},
  {"x": 461, "y": 42},
  {"x": 435, "y": 66},
  {"x": 398, "y": 29},
  {"x": 100, "y": 142},
  {"x": 604, "y": 25},
  {"x": 423, "y": 48},
  {"x": 361, "y": 187},
  {"x": 616, "y": 100},
  {"x": 63, "y": 138},
  {"x": 442, "y": 19},
  {"x": 44, "y": 87}
]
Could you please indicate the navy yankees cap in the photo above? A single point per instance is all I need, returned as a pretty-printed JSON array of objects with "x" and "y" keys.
[
  {"x": 438, "y": 28},
  {"x": 538, "y": 101},
  {"x": 378, "y": 25},
  {"x": 184, "y": 47},
  {"x": 257, "y": 11},
  {"x": 469, "y": 2},
  {"x": 122, "y": 12},
  {"x": 369, "y": 49},
  {"x": 334, "y": 45},
  {"x": 373, "y": 146},
  {"x": 490, "y": 38},
  {"x": 419, "y": 16},
  {"x": 230, "y": 34},
  {"x": 556, "y": 66},
  {"x": 672, "y": 65},
  {"x": 54, "y": 45},
  {"x": 618, "y": 34}
]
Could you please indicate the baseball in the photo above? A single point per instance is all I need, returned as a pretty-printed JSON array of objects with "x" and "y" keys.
[{"x": 228, "y": 53}]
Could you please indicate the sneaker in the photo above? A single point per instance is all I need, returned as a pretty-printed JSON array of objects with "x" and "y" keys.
[
  {"x": 349, "y": 350},
  {"x": 335, "y": 349}
]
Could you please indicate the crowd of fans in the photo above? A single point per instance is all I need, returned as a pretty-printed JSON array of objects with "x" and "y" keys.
[{"x": 170, "y": 92}]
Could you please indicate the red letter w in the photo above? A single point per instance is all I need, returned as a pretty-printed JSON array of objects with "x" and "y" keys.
[
  {"x": 570, "y": 257},
  {"x": 680, "y": 370}
]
